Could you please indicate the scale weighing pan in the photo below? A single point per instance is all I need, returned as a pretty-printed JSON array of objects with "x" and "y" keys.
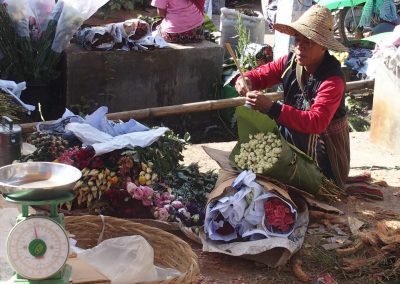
[{"x": 37, "y": 181}]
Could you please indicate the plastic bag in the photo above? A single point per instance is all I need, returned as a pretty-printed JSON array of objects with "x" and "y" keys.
[
  {"x": 126, "y": 260},
  {"x": 73, "y": 13},
  {"x": 41, "y": 11},
  {"x": 19, "y": 11}
]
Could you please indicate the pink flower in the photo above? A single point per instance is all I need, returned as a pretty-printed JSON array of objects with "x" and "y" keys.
[
  {"x": 177, "y": 204},
  {"x": 147, "y": 202},
  {"x": 130, "y": 187},
  {"x": 158, "y": 202},
  {"x": 166, "y": 196},
  {"x": 163, "y": 214},
  {"x": 137, "y": 193},
  {"x": 147, "y": 192}
]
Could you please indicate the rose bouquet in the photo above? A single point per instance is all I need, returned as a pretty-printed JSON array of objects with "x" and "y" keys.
[{"x": 279, "y": 216}]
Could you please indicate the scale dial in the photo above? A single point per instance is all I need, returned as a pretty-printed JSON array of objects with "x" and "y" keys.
[{"x": 37, "y": 248}]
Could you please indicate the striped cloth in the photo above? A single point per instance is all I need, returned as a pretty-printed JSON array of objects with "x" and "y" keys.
[{"x": 337, "y": 143}]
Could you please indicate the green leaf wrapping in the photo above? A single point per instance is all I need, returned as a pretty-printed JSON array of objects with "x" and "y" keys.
[{"x": 293, "y": 167}]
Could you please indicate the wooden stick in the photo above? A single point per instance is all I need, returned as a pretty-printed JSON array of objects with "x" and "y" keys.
[
  {"x": 232, "y": 53},
  {"x": 194, "y": 107}
]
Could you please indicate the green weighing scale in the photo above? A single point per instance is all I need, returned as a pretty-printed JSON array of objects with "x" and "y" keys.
[{"x": 38, "y": 245}]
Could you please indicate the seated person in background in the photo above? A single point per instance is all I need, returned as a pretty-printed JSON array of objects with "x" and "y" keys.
[
  {"x": 182, "y": 20},
  {"x": 312, "y": 115}
]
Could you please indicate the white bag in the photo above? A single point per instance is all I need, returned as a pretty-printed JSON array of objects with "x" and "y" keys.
[
  {"x": 73, "y": 13},
  {"x": 127, "y": 259}
]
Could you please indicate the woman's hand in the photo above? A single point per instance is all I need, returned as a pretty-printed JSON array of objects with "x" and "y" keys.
[
  {"x": 258, "y": 101},
  {"x": 240, "y": 85}
]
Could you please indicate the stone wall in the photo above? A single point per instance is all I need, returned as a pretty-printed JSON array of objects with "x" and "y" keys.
[{"x": 136, "y": 80}]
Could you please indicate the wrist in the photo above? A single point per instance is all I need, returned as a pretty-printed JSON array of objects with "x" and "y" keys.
[{"x": 275, "y": 110}]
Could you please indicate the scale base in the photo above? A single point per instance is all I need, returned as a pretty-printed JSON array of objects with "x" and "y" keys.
[{"x": 61, "y": 277}]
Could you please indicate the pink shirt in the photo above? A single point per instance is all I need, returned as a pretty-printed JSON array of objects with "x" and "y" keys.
[{"x": 181, "y": 15}]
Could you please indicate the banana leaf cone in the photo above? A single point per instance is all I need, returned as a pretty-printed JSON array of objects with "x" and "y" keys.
[{"x": 293, "y": 167}]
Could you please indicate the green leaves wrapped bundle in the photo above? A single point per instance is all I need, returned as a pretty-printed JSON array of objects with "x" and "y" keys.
[{"x": 262, "y": 149}]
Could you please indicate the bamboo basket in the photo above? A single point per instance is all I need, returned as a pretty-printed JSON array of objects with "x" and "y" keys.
[{"x": 169, "y": 250}]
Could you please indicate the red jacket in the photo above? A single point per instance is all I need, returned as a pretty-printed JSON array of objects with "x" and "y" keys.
[{"x": 323, "y": 106}]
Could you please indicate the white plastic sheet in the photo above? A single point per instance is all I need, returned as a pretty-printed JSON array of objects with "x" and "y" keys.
[
  {"x": 127, "y": 259},
  {"x": 14, "y": 90},
  {"x": 105, "y": 143}
]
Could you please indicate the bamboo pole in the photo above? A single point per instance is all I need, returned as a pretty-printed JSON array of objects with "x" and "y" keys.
[{"x": 195, "y": 107}]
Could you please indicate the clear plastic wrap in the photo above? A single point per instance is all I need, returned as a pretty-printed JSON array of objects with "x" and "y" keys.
[
  {"x": 127, "y": 259},
  {"x": 73, "y": 14},
  {"x": 20, "y": 12},
  {"x": 41, "y": 11}
]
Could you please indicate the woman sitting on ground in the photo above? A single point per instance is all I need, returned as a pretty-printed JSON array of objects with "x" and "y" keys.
[{"x": 182, "y": 20}]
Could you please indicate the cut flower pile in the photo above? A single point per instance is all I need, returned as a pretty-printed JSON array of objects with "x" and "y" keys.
[{"x": 144, "y": 182}]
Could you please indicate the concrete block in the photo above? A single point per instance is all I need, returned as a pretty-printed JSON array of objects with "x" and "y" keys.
[{"x": 135, "y": 80}]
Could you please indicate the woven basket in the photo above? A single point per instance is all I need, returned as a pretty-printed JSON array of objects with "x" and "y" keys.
[{"x": 169, "y": 250}]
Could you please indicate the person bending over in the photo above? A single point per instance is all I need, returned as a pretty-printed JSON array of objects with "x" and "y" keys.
[{"x": 312, "y": 115}]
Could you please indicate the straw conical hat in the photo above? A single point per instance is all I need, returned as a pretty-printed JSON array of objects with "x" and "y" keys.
[{"x": 315, "y": 24}]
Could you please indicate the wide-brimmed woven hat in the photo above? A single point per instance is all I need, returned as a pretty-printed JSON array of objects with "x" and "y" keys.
[{"x": 315, "y": 24}]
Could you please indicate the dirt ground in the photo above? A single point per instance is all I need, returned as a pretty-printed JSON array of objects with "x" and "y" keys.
[{"x": 317, "y": 262}]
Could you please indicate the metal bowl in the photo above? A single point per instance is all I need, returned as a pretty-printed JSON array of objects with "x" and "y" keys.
[{"x": 37, "y": 180}]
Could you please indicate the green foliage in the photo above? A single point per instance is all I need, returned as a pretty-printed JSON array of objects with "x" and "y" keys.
[
  {"x": 149, "y": 20},
  {"x": 358, "y": 111},
  {"x": 84, "y": 106},
  {"x": 209, "y": 24},
  {"x": 189, "y": 184},
  {"x": 126, "y": 5},
  {"x": 165, "y": 153}
]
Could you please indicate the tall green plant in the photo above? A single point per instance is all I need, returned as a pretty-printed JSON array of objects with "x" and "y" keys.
[{"x": 246, "y": 61}]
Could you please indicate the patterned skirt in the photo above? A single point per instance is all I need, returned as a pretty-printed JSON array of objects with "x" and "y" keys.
[{"x": 190, "y": 36}]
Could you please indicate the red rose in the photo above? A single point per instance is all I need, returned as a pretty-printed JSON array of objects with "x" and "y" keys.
[{"x": 278, "y": 214}]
